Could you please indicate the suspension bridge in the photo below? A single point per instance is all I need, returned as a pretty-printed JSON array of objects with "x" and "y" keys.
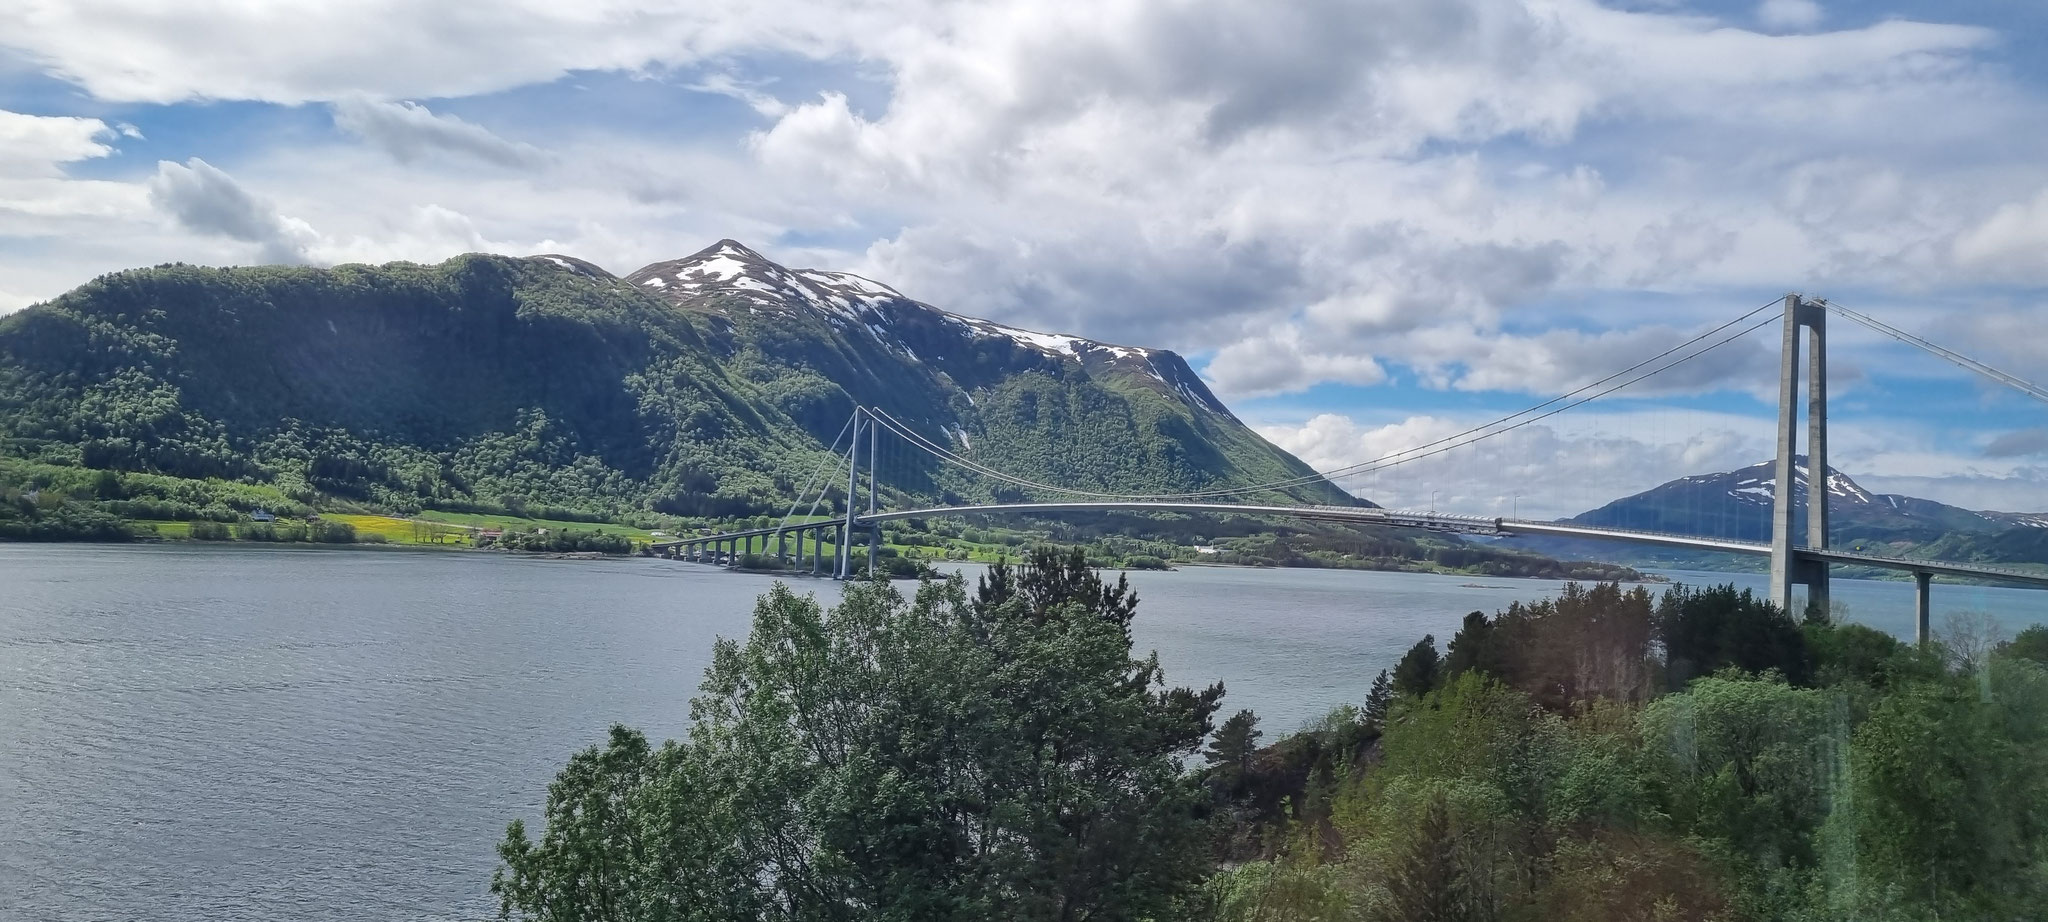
[{"x": 1796, "y": 560}]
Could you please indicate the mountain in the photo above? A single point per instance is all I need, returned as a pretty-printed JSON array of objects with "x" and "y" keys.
[
  {"x": 1737, "y": 504},
  {"x": 705, "y": 386}
]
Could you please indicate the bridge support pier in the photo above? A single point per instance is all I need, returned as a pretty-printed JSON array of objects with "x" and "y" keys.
[{"x": 1921, "y": 592}]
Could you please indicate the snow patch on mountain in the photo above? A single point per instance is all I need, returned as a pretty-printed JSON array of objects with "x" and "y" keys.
[
  {"x": 572, "y": 264},
  {"x": 1758, "y": 483},
  {"x": 732, "y": 269},
  {"x": 1050, "y": 343}
]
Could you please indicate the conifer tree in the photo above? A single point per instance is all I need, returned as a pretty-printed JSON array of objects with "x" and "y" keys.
[
  {"x": 1376, "y": 701},
  {"x": 1426, "y": 887},
  {"x": 1417, "y": 673}
]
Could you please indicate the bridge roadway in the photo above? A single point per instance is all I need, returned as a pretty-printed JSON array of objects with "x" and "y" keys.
[{"x": 1430, "y": 521}]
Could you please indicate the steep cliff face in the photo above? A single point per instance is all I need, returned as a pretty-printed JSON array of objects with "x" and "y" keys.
[{"x": 705, "y": 385}]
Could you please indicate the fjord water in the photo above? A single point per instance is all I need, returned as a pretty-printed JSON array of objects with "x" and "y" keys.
[{"x": 224, "y": 733}]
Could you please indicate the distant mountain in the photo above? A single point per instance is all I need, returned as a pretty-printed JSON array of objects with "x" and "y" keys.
[
  {"x": 709, "y": 385},
  {"x": 1737, "y": 504}
]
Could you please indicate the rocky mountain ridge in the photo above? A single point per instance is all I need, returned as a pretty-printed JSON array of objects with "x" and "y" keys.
[{"x": 728, "y": 277}]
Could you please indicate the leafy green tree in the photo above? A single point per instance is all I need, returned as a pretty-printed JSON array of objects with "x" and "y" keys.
[
  {"x": 1620, "y": 876},
  {"x": 1417, "y": 672},
  {"x": 629, "y": 834},
  {"x": 1296, "y": 887},
  {"x": 1744, "y": 762},
  {"x": 911, "y": 759},
  {"x": 1950, "y": 806},
  {"x": 1844, "y": 652},
  {"x": 2031, "y": 643}
]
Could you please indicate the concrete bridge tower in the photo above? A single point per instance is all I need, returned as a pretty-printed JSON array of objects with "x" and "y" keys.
[{"x": 1787, "y": 569}]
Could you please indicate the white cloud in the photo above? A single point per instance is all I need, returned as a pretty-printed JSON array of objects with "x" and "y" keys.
[
  {"x": 1580, "y": 460},
  {"x": 1280, "y": 362},
  {"x": 409, "y": 131},
  {"x": 35, "y": 145},
  {"x": 1319, "y": 192},
  {"x": 1551, "y": 468},
  {"x": 728, "y": 85},
  {"x": 201, "y": 197},
  {"x": 300, "y": 51},
  {"x": 1789, "y": 14},
  {"x": 1074, "y": 168},
  {"x": 2014, "y": 240}
]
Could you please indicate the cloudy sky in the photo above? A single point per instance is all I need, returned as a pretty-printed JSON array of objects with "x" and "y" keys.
[{"x": 1369, "y": 223}]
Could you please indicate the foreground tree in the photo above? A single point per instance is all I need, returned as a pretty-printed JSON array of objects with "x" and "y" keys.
[{"x": 922, "y": 759}]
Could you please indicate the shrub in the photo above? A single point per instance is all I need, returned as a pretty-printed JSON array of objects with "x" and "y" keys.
[
  {"x": 333, "y": 533},
  {"x": 203, "y": 530}
]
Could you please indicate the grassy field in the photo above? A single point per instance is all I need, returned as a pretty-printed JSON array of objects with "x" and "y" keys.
[
  {"x": 514, "y": 523},
  {"x": 165, "y": 529},
  {"x": 432, "y": 529},
  {"x": 403, "y": 531}
]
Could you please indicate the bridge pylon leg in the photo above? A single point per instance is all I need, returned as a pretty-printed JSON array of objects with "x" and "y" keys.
[
  {"x": 1921, "y": 597},
  {"x": 1787, "y": 570}
]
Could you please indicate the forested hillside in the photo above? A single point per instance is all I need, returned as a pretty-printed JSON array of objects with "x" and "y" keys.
[{"x": 503, "y": 384}]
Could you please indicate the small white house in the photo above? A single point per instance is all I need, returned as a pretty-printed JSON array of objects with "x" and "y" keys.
[{"x": 261, "y": 514}]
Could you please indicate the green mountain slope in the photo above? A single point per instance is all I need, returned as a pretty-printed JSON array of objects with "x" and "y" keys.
[{"x": 707, "y": 386}]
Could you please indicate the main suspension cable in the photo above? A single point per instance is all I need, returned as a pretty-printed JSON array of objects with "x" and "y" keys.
[
  {"x": 1497, "y": 427},
  {"x": 2010, "y": 380},
  {"x": 1377, "y": 463},
  {"x": 815, "y": 471}
]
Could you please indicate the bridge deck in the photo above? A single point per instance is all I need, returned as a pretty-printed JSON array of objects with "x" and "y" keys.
[{"x": 1430, "y": 521}]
